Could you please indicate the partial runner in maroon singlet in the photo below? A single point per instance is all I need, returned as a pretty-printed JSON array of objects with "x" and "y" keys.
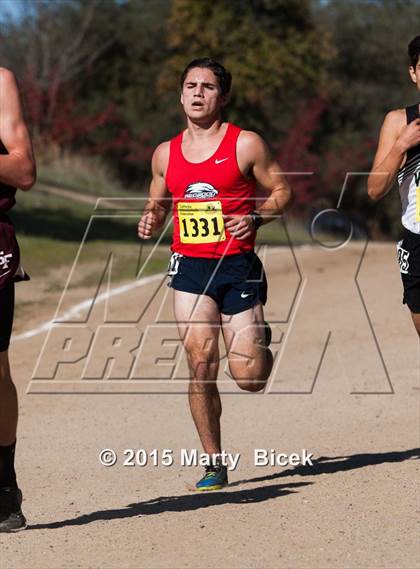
[{"x": 17, "y": 170}]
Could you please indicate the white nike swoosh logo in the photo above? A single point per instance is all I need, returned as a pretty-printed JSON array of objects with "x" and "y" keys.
[
  {"x": 245, "y": 295},
  {"x": 219, "y": 161}
]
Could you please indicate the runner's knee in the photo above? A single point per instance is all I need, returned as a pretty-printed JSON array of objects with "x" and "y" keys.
[
  {"x": 252, "y": 376},
  {"x": 203, "y": 365},
  {"x": 250, "y": 379},
  {"x": 252, "y": 385}
]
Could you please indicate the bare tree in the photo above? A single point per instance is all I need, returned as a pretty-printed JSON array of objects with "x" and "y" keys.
[{"x": 50, "y": 45}]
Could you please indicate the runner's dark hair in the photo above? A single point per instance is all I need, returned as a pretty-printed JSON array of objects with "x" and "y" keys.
[{"x": 223, "y": 76}]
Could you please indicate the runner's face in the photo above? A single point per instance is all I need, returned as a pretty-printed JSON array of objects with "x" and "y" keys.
[
  {"x": 201, "y": 96},
  {"x": 415, "y": 74}
]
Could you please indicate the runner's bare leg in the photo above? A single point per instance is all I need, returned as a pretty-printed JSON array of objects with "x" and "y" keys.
[
  {"x": 250, "y": 361},
  {"x": 416, "y": 320},
  {"x": 198, "y": 320},
  {"x": 8, "y": 403}
]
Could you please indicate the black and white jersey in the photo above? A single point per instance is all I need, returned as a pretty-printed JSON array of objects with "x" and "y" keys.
[{"x": 409, "y": 181}]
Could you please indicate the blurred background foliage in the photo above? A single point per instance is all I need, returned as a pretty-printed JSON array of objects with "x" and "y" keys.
[{"x": 100, "y": 80}]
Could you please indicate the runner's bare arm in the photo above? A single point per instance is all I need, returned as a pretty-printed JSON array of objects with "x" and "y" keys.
[
  {"x": 255, "y": 158},
  {"x": 271, "y": 179},
  {"x": 17, "y": 168},
  {"x": 159, "y": 202},
  {"x": 395, "y": 138}
]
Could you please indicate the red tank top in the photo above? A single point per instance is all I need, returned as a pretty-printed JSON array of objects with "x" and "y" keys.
[{"x": 202, "y": 192}]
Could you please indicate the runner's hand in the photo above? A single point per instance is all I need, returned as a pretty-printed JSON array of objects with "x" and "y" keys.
[
  {"x": 147, "y": 225},
  {"x": 409, "y": 136},
  {"x": 239, "y": 226}
]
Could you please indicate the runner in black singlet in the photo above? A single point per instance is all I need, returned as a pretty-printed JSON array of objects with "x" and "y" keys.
[{"x": 398, "y": 159}]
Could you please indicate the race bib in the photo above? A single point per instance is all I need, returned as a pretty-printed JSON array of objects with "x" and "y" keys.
[
  {"x": 201, "y": 222},
  {"x": 418, "y": 204}
]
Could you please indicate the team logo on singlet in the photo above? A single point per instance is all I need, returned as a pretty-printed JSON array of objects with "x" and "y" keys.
[
  {"x": 5, "y": 259},
  {"x": 200, "y": 190}
]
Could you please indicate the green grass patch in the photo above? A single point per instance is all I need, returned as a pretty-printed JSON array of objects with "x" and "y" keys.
[
  {"x": 84, "y": 174},
  {"x": 40, "y": 255},
  {"x": 39, "y": 214}
]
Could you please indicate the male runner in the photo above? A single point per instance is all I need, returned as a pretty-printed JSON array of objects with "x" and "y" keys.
[
  {"x": 211, "y": 170},
  {"x": 398, "y": 157},
  {"x": 17, "y": 170}
]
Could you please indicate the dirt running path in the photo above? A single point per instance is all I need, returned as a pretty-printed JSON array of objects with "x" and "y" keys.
[{"x": 356, "y": 507}]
